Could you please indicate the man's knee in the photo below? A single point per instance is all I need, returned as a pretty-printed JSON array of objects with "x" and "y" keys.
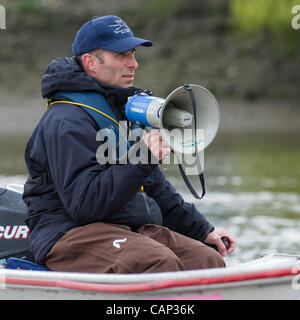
[
  {"x": 214, "y": 259},
  {"x": 160, "y": 259},
  {"x": 201, "y": 257}
]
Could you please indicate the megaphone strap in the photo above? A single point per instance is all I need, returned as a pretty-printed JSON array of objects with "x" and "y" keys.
[
  {"x": 189, "y": 185},
  {"x": 49, "y": 104},
  {"x": 201, "y": 176}
]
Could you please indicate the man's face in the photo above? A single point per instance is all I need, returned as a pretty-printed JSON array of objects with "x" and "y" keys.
[{"x": 115, "y": 68}]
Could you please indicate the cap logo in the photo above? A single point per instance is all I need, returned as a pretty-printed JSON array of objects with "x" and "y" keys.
[{"x": 120, "y": 26}]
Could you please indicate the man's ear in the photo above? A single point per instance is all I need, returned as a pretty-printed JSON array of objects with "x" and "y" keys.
[{"x": 88, "y": 62}]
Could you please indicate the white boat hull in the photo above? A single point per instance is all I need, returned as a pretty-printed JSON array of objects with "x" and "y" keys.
[{"x": 273, "y": 277}]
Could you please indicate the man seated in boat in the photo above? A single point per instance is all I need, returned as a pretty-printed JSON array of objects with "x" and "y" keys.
[{"x": 85, "y": 216}]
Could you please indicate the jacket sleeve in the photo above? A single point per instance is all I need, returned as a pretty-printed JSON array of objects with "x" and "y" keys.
[
  {"x": 178, "y": 215},
  {"x": 89, "y": 191}
]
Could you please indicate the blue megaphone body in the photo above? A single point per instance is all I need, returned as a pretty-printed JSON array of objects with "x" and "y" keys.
[
  {"x": 140, "y": 106},
  {"x": 150, "y": 111}
]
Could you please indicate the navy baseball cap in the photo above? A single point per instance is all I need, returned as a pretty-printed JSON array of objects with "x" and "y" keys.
[{"x": 108, "y": 32}]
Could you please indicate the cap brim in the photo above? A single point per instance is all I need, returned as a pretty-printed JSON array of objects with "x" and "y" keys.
[{"x": 127, "y": 44}]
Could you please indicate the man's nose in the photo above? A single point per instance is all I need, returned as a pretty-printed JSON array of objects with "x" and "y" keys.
[{"x": 132, "y": 63}]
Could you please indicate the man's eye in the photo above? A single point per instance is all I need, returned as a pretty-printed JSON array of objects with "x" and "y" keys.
[{"x": 126, "y": 53}]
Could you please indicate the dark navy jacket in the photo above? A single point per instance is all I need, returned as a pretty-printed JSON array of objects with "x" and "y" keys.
[{"x": 67, "y": 187}]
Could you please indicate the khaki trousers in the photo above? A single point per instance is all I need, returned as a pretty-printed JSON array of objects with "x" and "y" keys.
[{"x": 110, "y": 248}]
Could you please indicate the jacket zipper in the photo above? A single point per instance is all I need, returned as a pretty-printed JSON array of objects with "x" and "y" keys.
[{"x": 146, "y": 203}]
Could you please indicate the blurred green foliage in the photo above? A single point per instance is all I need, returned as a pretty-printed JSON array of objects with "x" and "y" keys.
[
  {"x": 247, "y": 17},
  {"x": 253, "y": 16},
  {"x": 25, "y": 6}
]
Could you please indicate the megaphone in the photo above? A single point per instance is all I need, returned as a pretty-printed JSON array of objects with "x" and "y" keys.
[
  {"x": 200, "y": 117},
  {"x": 188, "y": 119}
]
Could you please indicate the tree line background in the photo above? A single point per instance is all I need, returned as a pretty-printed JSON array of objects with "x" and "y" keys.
[{"x": 236, "y": 48}]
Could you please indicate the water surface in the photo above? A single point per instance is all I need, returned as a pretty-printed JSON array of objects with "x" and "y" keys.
[{"x": 253, "y": 189}]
